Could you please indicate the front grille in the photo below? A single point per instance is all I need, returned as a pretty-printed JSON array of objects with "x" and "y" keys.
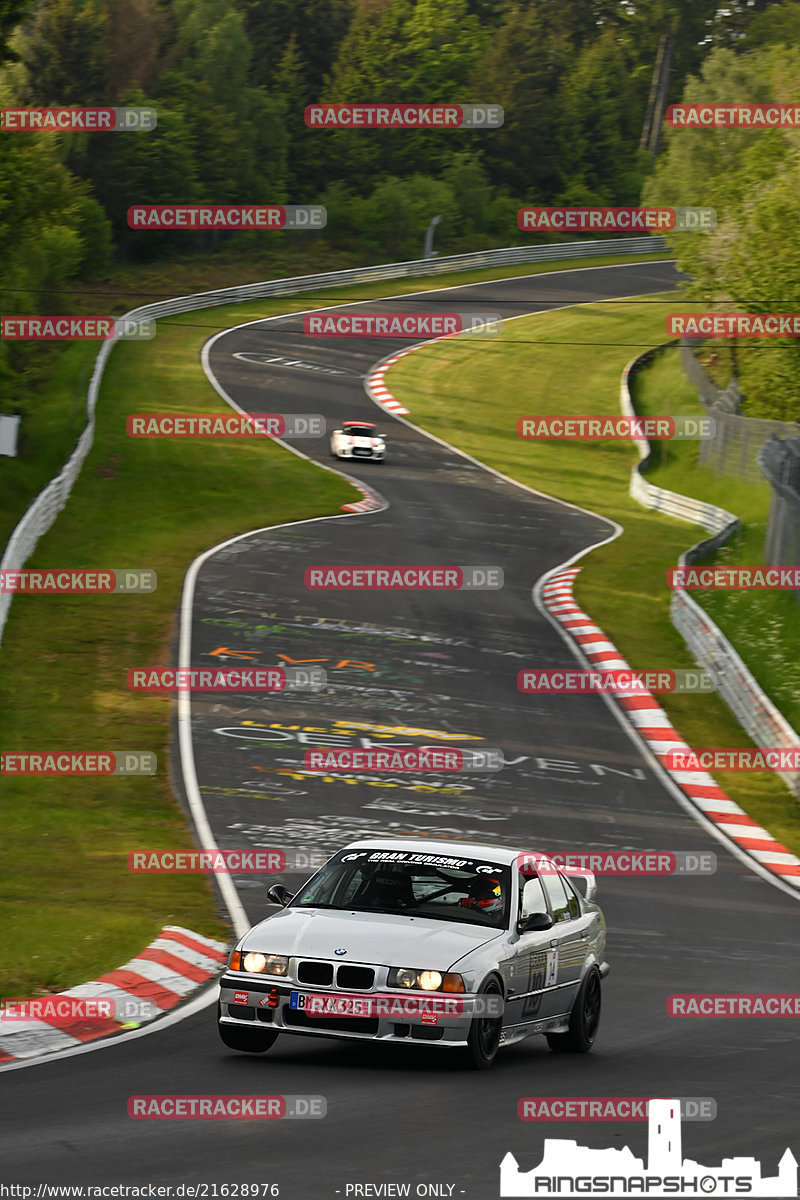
[
  {"x": 362, "y": 453},
  {"x": 360, "y": 978},
  {"x": 299, "y": 1020},
  {"x": 315, "y": 972},
  {"x": 242, "y": 1012},
  {"x": 265, "y": 1015}
]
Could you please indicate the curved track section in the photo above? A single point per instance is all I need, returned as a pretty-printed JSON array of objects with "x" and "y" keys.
[{"x": 436, "y": 662}]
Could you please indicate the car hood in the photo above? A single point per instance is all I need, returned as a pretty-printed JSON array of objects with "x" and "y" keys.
[
  {"x": 379, "y": 938},
  {"x": 363, "y": 441}
]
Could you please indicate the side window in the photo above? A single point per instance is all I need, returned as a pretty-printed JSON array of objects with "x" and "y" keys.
[
  {"x": 557, "y": 896},
  {"x": 532, "y": 900}
]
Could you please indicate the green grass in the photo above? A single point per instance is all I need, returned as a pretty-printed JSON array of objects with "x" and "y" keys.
[
  {"x": 471, "y": 394},
  {"x": 51, "y": 391},
  {"x": 69, "y": 909}
]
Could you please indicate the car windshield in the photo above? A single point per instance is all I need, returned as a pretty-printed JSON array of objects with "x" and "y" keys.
[
  {"x": 360, "y": 431},
  {"x": 410, "y": 883}
]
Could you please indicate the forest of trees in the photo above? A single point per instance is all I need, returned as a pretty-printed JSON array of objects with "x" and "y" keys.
[{"x": 230, "y": 80}]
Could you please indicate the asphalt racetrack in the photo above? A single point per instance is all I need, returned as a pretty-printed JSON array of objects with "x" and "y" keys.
[{"x": 448, "y": 662}]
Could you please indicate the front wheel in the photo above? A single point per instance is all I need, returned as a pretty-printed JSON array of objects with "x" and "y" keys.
[
  {"x": 584, "y": 1019},
  {"x": 483, "y": 1040}
]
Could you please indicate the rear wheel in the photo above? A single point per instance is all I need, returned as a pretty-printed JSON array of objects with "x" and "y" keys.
[
  {"x": 483, "y": 1041},
  {"x": 584, "y": 1019},
  {"x": 248, "y": 1041}
]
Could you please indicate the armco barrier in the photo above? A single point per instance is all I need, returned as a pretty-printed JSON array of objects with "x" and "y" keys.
[
  {"x": 752, "y": 708},
  {"x": 43, "y": 511}
]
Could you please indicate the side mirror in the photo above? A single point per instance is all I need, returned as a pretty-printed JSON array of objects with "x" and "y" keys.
[
  {"x": 535, "y": 923},
  {"x": 279, "y": 894}
]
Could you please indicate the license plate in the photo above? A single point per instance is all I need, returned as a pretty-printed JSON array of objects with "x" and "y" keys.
[{"x": 297, "y": 1000}]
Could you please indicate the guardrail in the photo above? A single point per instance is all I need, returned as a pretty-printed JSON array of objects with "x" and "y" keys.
[
  {"x": 711, "y": 650},
  {"x": 42, "y": 512}
]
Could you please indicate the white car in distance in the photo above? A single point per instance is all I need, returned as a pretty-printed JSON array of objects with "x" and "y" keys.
[{"x": 358, "y": 439}]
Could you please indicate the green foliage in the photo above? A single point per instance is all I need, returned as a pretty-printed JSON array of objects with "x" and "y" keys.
[{"x": 751, "y": 261}]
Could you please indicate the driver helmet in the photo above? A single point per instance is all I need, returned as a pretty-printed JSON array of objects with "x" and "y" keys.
[{"x": 485, "y": 893}]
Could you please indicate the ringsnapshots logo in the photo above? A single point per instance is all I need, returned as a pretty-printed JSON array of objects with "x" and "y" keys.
[
  {"x": 404, "y": 579},
  {"x": 211, "y": 1107},
  {"x": 617, "y": 681},
  {"x": 567, "y": 1169},
  {"x": 234, "y": 425},
  {"x": 234, "y": 679},
  {"x": 731, "y": 324},
  {"x": 413, "y": 760},
  {"x": 308, "y": 217},
  {"x": 394, "y": 324},
  {"x": 74, "y": 329},
  {"x": 78, "y": 118},
  {"x": 85, "y": 762},
  {"x": 620, "y": 220},
  {"x": 68, "y": 582},
  {"x": 733, "y": 116},
  {"x": 615, "y": 429},
  {"x": 608, "y": 1108},
  {"x": 403, "y": 116},
  {"x": 617, "y": 862}
]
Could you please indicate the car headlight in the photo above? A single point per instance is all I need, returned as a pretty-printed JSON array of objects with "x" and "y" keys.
[
  {"x": 255, "y": 963},
  {"x": 426, "y": 981}
]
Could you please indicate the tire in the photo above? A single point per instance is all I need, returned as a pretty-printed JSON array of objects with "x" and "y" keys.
[
  {"x": 584, "y": 1018},
  {"x": 248, "y": 1041},
  {"x": 483, "y": 1040}
]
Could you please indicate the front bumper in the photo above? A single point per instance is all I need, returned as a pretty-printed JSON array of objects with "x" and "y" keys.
[
  {"x": 268, "y": 1005},
  {"x": 369, "y": 456}
]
